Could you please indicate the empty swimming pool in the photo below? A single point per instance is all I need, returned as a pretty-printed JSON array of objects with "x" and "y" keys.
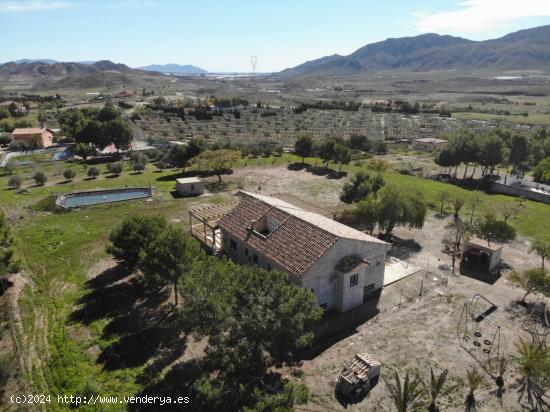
[{"x": 96, "y": 197}]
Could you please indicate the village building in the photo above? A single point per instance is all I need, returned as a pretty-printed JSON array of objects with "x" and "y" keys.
[
  {"x": 190, "y": 186},
  {"x": 339, "y": 264},
  {"x": 478, "y": 255},
  {"x": 33, "y": 136},
  {"x": 430, "y": 143}
]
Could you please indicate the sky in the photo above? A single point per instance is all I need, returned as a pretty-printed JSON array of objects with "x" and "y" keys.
[{"x": 221, "y": 35}]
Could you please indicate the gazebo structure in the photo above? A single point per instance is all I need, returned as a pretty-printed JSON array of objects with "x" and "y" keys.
[
  {"x": 203, "y": 223},
  {"x": 478, "y": 255}
]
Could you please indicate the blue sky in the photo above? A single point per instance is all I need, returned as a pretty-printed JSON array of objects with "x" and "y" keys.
[{"x": 222, "y": 35}]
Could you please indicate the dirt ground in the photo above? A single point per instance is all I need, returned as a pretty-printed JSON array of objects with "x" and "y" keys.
[{"x": 422, "y": 331}]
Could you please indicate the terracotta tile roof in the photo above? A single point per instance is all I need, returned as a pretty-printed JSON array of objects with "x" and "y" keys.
[
  {"x": 28, "y": 130},
  {"x": 299, "y": 238},
  {"x": 352, "y": 263}
]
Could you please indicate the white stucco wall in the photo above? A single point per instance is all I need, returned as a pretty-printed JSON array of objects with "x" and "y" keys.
[
  {"x": 331, "y": 287},
  {"x": 187, "y": 189}
]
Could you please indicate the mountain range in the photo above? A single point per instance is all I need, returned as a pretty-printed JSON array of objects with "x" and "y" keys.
[{"x": 523, "y": 50}]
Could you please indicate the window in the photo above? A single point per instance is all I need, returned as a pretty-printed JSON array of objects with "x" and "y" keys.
[
  {"x": 246, "y": 251},
  {"x": 233, "y": 244},
  {"x": 255, "y": 258},
  {"x": 353, "y": 280},
  {"x": 269, "y": 267},
  {"x": 192, "y": 187}
]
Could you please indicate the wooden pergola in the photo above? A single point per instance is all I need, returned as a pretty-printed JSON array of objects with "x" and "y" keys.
[{"x": 203, "y": 223}]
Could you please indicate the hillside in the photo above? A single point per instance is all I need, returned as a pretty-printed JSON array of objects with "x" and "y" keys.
[
  {"x": 174, "y": 68},
  {"x": 523, "y": 50},
  {"x": 78, "y": 75}
]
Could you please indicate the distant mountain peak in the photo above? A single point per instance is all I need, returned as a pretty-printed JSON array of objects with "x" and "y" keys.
[{"x": 525, "y": 49}]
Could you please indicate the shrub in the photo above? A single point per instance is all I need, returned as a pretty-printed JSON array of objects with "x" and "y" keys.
[
  {"x": 115, "y": 168},
  {"x": 161, "y": 165},
  {"x": 18, "y": 145},
  {"x": 69, "y": 174},
  {"x": 10, "y": 165},
  {"x": 93, "y": 172},
  {"x": 541, "y": 173},
  {"x": 15, "y": 181},
  {"x": 139, "y": 167},
  {"x": 40, "y": 178}
]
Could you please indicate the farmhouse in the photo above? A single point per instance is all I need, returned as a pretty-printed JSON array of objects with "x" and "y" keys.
[
  {"x": 339, "y": 264},
  {"x": 430, "y": 143},
  {"x": 33, "y": 136},
  {"x": 189, "y": 186}
]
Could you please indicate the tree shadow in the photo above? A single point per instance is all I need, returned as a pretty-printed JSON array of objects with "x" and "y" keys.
[
  {"x": 142, "y": 325},
  {"x": 404, "y": 248},
  {"x": 178, "y": 382},
  {"x": 296, "y": 166},
  {"x": 5, "y": 284}
]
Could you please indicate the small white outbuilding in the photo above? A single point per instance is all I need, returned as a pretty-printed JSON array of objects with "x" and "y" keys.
[{"x": 190, "y": 186}]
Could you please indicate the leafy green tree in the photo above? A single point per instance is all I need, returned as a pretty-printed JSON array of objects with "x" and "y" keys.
[
  {"x": 366, "y": 213},
  {"x": 359, "y": 142},
  {"x": 115, "y": 168},
  {"x": 218, "y": 161},
  {"x": 327, "y": 150},
  {"x": 397, "y": 207},
  {"x": 255, "y": 320},
  {"x": 119, "y": 133},
  {"x": 40, "y": 178},
  {"x": 542, "y": 248},
  {"x": 531, "y": 281},
  {"x": 497, "y": 231},
  {"x": 541, "y": 173},
  {"x": 161, "y": 165},
  {"x": 93, "y": 133},
  {"x": 131, "y": 237},
  {"x": 447, "y": 157},
  {"x": 69, "y": 174},
  {"x": 10, "y": 166},
  {"x": 519, "y": 152},
  {"x": 108, "y": 113},
  {"x": 15, "y": 181},
  {"x": 406, "y": 396},
  {"x": 169, "y": 257},
  {"x": 83, "y": 150},
  {"x": 304, "y": 146},
  {"x": 490, "y": 152},
  {"x": 342, "y": 155},
  {"x": 93, "y": 172},
  {"x": 138, "y": 167},
  {"x": 179, "y": 157}
]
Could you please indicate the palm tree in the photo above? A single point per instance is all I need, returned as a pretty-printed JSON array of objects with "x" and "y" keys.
[
  {"x": 435, "y": 388},
  {"x": 541, "y": 248},
  {"x": 532, "y": 361},
  {"x": 406, "y": 397},
  {"x": 474, "y": 380}
]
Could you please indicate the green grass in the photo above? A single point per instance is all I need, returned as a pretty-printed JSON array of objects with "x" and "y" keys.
[{"x": 542, "y": 119}]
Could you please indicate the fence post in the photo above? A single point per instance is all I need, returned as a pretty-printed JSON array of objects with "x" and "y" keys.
[
  {"x": 400, "y": 299},
  {"x": 421, "y": 288}
]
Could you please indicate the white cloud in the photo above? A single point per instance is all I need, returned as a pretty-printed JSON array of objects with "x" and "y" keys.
[
  {"x": 478, "y": 16},
  {"x": 34, "y": 5}
]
